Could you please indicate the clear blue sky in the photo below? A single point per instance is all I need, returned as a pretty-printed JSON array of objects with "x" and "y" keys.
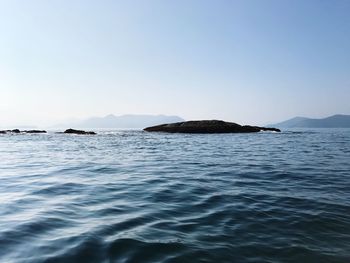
[{"x": 246, "y": 61}]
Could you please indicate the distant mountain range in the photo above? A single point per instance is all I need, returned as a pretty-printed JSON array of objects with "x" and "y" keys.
[
  {"x": 123, "y": 121},
  {"x": 335, "y": 121}
]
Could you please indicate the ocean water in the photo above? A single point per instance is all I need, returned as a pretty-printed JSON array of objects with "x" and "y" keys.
[{"x": 132, "y": 196}]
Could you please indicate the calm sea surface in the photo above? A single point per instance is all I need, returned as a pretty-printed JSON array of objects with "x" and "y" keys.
[{"x": 132, "y": 196}]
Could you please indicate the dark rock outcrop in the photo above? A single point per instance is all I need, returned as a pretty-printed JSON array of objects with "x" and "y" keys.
[
  {"x": 80, "y": 132},
  {"x": 207, "y": 126},
  {"x": 15, "y": 131},
  {"x": 10, "y": 131},
  {"x": 35, "y": 131}
]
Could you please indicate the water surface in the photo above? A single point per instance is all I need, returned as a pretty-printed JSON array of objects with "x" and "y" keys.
[{"x": 132, "y": 196}]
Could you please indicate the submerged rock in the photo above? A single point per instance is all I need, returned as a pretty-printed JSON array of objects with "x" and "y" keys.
[
  {"x": 80, "y": 132},
  {"x": 207, "y": 126}
]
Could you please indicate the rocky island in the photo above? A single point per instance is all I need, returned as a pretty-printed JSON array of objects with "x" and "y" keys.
[
  {"x": 207, "y": 126},
  {"x": 68, "y": 131},
  {"x": 79, "y": 132},
  {"x": 18, "y": 131}
]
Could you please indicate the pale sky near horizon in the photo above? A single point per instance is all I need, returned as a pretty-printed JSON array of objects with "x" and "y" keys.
[{"x": 248, "y": 61}]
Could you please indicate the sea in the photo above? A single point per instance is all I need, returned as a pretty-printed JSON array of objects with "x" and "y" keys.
[{"x": 132, "y": 196}]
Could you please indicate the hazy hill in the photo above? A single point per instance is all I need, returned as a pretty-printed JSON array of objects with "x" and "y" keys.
[
  {"x": 335, "y": 121},
  {"x": 126, "y": 121}
]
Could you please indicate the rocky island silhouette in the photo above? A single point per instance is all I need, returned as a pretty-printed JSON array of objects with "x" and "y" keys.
[{"x": 207, "y": 126}]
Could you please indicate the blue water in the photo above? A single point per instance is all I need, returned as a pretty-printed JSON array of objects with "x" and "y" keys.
[{"x": 132, "y": 196}]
